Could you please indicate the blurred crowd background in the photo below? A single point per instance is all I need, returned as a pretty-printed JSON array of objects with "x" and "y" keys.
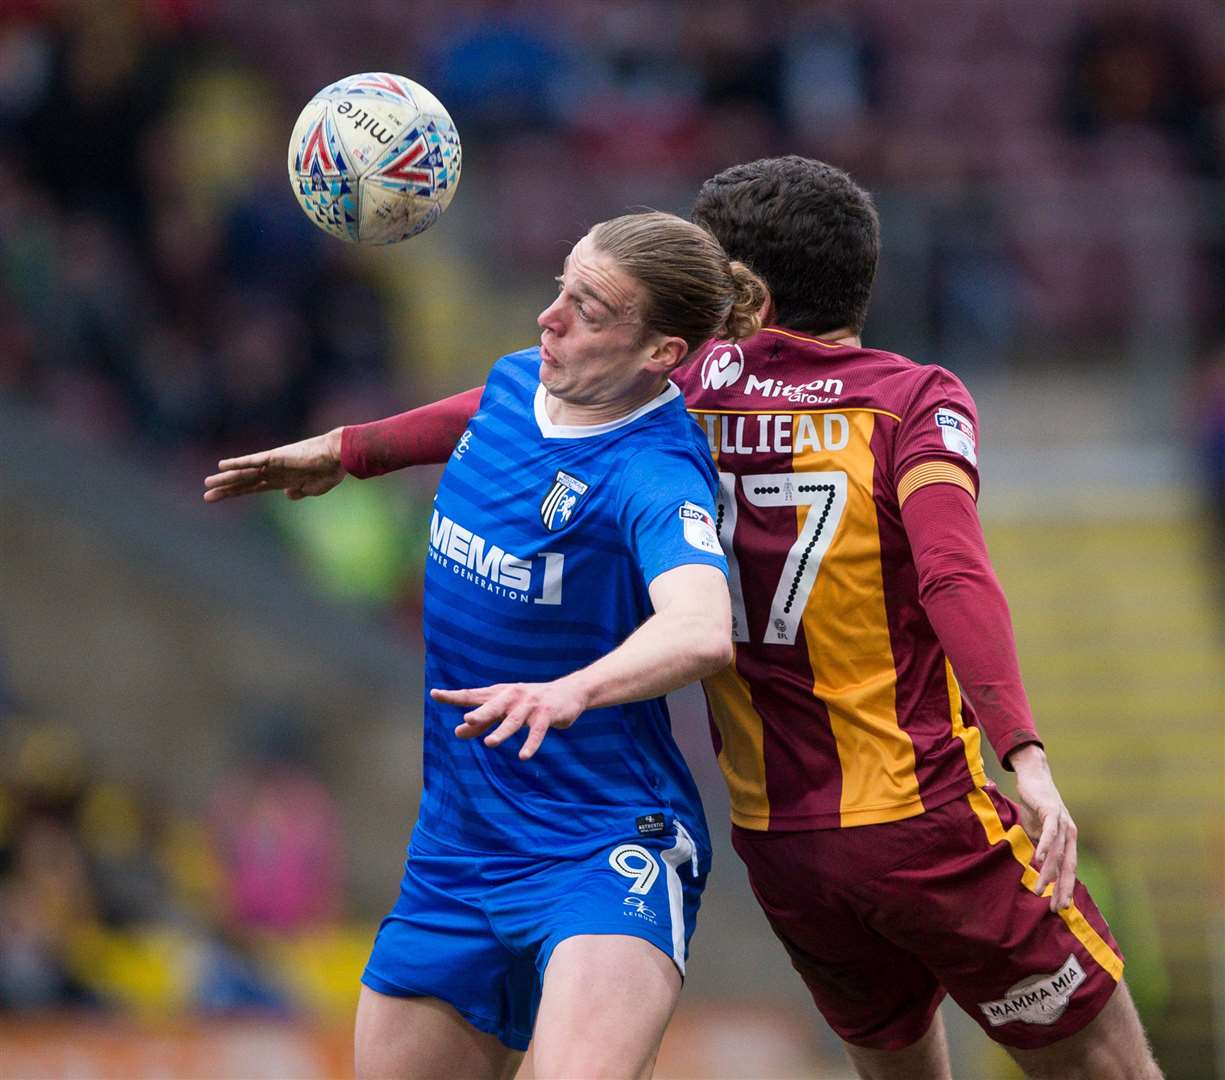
[{"x": 209, "y": 718}]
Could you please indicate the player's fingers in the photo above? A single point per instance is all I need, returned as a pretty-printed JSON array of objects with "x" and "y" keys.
[
  {"x": 535, "y": 737},
  {"x": 511, "y": 723},
  {"x": 232, "y": 476},
  {"x": 1062, "y": 897},
  {"x": 1049, "y": 826},
  {"x": 1054, "y": 854},
  {"x": 247, "y": 461},
  {"x": 470, "y": 695},
  {"x": 233, "y": 491}
]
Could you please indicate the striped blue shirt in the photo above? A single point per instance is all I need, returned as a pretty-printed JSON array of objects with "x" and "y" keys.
[{"x": 543, "y": 541}]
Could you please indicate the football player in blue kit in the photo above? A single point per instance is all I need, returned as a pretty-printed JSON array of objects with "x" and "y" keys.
[{"x": 574, "y": 577}]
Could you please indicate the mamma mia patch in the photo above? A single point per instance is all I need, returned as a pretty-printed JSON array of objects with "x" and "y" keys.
[{"x": 1041, "y": 999}]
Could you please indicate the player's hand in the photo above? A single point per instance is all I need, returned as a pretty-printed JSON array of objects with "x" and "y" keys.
[
  {"x": 1047, "y": 822},
  {"x": 309, "y": 467},
  {"x": 511, "y": 706}
]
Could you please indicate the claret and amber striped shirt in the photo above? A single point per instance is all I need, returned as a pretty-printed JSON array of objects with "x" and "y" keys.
[{"x": 840, "y": 707}]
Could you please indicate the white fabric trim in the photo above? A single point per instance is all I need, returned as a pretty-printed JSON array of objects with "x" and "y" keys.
[
  {"x": 551, "y": 430},
  {"x": 677, "y": 855}
]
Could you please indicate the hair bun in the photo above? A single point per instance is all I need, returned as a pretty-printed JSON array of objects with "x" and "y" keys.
[{"x": 744, "y": 319}]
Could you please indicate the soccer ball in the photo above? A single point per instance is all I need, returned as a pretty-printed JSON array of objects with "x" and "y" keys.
[{"x": 374, "y": 158}]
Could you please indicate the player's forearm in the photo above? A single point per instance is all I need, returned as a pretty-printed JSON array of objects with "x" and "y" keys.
[
  {"x": 668, "y": 651},
  {"x": 967, "y": 609},
  {"x": 422, "y": 436}
]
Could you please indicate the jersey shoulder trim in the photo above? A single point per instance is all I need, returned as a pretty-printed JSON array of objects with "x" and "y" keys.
[{"x": 934, "y": 472}]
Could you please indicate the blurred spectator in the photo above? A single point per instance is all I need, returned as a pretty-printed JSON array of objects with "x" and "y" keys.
[
  {"x": 278, "y": 834},
  {"x": 829, "y": 80},
  {"x": 496, "y": 66},
  {"x": 97, "y": 910},
  {"x": 1133, "y": 71},
  {"x": 45, "y": 898}
]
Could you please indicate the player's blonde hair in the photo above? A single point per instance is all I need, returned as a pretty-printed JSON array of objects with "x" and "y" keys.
[{"x": 693, "y": 290}]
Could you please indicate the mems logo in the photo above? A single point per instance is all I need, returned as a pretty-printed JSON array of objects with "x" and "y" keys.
[
  {"x": 1042, "y": 999},
  {"x": 471, "y": 557}
]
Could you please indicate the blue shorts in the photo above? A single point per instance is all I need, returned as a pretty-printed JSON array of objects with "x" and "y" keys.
[{"x": 476, "y": 930}]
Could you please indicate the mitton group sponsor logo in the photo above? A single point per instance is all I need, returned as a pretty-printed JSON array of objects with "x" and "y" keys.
[
  {"x": 724, "y": 364},
  {"x": 813, "y": 392},
  {"x": 1040, "y": 999}
]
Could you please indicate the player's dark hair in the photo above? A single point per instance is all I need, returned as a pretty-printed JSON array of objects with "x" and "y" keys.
[
  {"x": 807, "y": 228},
  {"x": 694, "y": 291}
]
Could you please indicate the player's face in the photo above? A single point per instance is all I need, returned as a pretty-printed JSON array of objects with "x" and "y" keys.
[{"x": 592, "y": 350}]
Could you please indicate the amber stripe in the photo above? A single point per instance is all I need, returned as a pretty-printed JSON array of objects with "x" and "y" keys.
[
  {"x": 970, "y": 738},
  {"x": 703, "y": 411},
  {"x": 933, "y": 472},
  {"x": 1023, "y": 852},
  {"x": 801, "y": 337}
]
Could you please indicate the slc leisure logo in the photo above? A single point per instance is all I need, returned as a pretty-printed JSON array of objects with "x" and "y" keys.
[{"x": 723, "y": 365}]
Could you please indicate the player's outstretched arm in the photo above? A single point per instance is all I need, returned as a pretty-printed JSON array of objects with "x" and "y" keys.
[
  {"x": 688, "y": 638},
  {"x": 422, "y": 436},
  {"x": 309, "y": 467}
]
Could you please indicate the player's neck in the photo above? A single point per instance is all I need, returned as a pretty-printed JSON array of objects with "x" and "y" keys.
[{"x": 573, "y": 414}]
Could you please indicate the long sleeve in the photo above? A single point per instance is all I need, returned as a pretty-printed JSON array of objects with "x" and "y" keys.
[
  {"x": 967, "y": 609},
  {"x": 422, "y": 436}
]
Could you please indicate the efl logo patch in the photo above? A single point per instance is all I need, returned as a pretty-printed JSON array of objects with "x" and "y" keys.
[
  {"x": 561, "y": 501},
  {"x": 1042, "y": 999},
  {"x": 700, "y": 529},
  {"x": 723, "y": 365},
  {"x": 958, "y": 434}
]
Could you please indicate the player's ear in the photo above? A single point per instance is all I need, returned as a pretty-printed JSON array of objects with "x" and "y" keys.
[
  {"x": 667, "y": 354},
  {"x": 766, "y": 311}
]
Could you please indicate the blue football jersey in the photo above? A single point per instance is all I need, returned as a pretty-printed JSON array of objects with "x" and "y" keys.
[{"x": 543, "y": 541}]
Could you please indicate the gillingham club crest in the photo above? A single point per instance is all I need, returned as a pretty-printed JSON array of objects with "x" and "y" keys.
[{"x": 562, "y": 500}]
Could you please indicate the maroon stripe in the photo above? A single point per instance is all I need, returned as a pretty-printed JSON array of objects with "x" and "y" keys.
[
  {"x": 802, "y": 769},
  {"x": 922, "y": 698}
]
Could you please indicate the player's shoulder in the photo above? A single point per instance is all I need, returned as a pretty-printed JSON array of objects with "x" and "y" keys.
[
  {"x": 519, "y": 369},
  {"x": 661, "y": 440},
  {"x": 906, "y": 384},
  {"x": 779, "y": 365},
  {"x": 512, "y": 381}
]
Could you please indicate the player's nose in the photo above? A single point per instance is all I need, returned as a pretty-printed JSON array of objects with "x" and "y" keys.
[{"x": 550, "y": 318}]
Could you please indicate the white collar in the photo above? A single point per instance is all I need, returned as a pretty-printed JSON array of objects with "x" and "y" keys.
[{"x": 551, "y": 430}]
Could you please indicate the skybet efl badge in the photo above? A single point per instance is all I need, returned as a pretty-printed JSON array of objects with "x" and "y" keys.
[
  {"x": 958, "y": 434},
  {"x": 561, "y": 501}
]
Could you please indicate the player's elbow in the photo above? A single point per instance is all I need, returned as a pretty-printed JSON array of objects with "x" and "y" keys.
[{"x": 713, "y": 650}]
